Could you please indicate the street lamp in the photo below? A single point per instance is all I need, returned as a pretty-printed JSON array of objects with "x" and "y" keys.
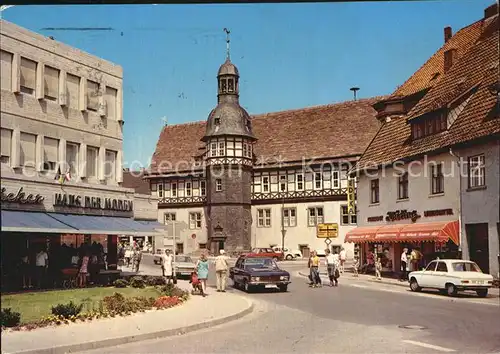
[{"x": 283, "y": 231}]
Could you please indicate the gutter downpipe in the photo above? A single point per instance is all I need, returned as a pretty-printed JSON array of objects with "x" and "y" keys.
[{"x": 458, "y": 160}]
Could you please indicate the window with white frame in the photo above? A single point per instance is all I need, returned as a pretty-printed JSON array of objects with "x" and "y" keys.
[
  {"x": 110, "y": 169},
  {"x": 92, "y": 162},
  {"x": 222, "y": 151},
  {"x": 437, "y": 179},
  {"x": 28, "y": 76},
  {"x": 72, "y": 158},
  {"x": 92, "y": 95},
  {"x": 6, "y": 60},
  {"x": 213, "y": 149},
  {"x": 283, "y": 183},
  {"x": 50, "y": 153},
  {"x": 27, "y": 150},
  {"x": 374, "y": 191},
  {"x": 194, "y": 221},
  {"x": 51, "y": 83},
  {"x": 335, "y": 179},
  {"x": 73, "y": 91},
  {"x": 403, "y": 186},
  {"x": 203, "y": 188},
  {"x": 345, "y": 217},
  {"x": 169, "y": 217},
  {"x": 318, "y": 180},
  {"x": 300, "y": 181},
  {"x": 315, "y": 216},
  {"x": 188, "y": 189},
  {"x": 244, "y": 149},
  {"x": 174, "y": 190},
  {"x": 265, "y": 184},
  {"x": 6, "y": 143},
  {"x": 218, "y": 185},
  {"x": 289, "y": 217},
  {"x": 263, "y": 217},
  {"x": 477, "y": 171}
]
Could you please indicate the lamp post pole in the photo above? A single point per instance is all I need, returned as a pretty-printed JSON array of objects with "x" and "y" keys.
[{"x": 283, "y": 231}]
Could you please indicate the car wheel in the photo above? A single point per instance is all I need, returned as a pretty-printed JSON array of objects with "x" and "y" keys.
[
  {"x": 414, "y": 285},
  {"x": 482, "y": 292},
  {"x": 289, "y": 257},
  {"x": 248, "y": 287},
  {"x": 283, "y": 288},
  {"x": 451, "y": 289}
]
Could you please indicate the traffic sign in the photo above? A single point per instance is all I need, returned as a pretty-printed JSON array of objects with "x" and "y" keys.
[
  {"x": 327, "y": 230},
  {"x": 193, "y": 236},
  {"x": 328, "y": 241}
]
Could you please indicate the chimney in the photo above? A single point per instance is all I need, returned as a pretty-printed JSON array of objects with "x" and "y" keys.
[
  {"x": 449, "y": 58},
  {"x": 447, "y": 34},
  {"x": 490, "y": 11}
]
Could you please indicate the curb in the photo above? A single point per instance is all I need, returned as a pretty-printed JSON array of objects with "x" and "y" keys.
[
  {"x": 403, "y": 284},
  {"x": 141, "y": 337}
]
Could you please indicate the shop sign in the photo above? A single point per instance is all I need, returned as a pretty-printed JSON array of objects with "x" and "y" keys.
[
  {"x": 351, "y": 197},
  {"x": 77, "y": 201},
  {"x": 438, "y": 212},
  {"x": 328, "y": 230},
  {"x": 21, "y": 197},
  {"x": 375, "y": 218},
  {"x": 402, "y": 215}
]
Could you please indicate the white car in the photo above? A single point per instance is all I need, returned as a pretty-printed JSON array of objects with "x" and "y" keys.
[
  {"x": 451, "y": 275},
  {"x": 289, "y": 254}
]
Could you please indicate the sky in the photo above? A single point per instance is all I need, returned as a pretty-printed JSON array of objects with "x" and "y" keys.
[{"x": 288, "y": 55}]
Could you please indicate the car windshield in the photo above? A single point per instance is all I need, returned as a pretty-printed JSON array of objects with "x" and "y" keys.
[
  {"x": 183, "y": 259},
  {"x": 260, "y": 263},
  {"x": 465, "y": 267}
]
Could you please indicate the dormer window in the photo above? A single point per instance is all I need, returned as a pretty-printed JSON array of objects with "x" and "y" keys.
[
  {"x": 433, "y": 124},
  {"x": 217, "y": 121}
]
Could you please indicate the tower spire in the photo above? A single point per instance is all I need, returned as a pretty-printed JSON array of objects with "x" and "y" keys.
[{"x": 227, "y": 43}]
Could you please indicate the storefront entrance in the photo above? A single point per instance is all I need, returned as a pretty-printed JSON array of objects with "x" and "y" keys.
[{"x": 477, "y": 238}]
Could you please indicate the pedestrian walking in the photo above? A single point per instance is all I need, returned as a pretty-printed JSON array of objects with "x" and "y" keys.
[
  {"x": 221, "y": 267},
  {"x": 332, "y": 266},
  {"x": 42, "y": 264},
  {"x": 314, "y": 270},
  {"x": 202, "y": 271},
  {"x": 356, "y": 266},
  {"x": 84, "y": 272},
  {"x": 404, "y": 262},
  {"x": 343, "y": 256},
  {"x": 128, "y": 256},
  {"x": 137, "y": 258},
  {"x": 378, "y": 269},
  {"x": 167, "y": 265}
]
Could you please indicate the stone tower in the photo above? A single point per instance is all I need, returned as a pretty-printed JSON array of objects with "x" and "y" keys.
[{"x": 229, "y": 155}]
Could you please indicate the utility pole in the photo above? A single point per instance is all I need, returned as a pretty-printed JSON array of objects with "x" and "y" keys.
[{"x": 283, "y": 231}]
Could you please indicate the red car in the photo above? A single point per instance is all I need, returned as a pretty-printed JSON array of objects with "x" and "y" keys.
[{"x": 266, "y": 252}]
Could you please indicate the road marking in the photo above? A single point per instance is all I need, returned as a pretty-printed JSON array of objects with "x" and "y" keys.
[{"x": 430, "y": 346}]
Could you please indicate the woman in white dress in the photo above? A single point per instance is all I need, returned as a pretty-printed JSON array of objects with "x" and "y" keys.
[{"x": 167, "y": 266}]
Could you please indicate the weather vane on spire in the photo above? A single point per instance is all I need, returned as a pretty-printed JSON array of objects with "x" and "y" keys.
[{"x": 227, "y": 42}]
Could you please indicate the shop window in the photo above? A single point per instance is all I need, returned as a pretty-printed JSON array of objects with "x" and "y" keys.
[
  {"x": 374, "y": 191},
  {"x": 203, "y": 188},
  {"x": 289, "y": 217},
  {"x": 111, "y": 96},
  {"x": 437, "y": 179},
  {"x": 265, "y": 184},
  {"x": 169, "y": 217},
  {"x": 51, "y": 83},
  {"x": 72, "y": 157},
  {"x": 6, "y": 146},
  {"x": 188, "y": 189},
  {"x": 110, "y": 168},
  {"x": 6, "y": 70},
  {"x": 315, "y": 216},
  {"x": 72, "y": 91},
  {"x": 218, "y": 185},
  {"x": 345, "y": 217},
  {"x": 263, "y": 217},
  {"x": 92, "y": 165},
  {"x": 28, "y": 150},
  {"x": 403, "y": 186},
  {"x": 92, "y": 95},
  {"x": 50, "y": 154},
  {"x": 28, "y": 76},
  {"x": 194, "y": 221},
  {"x": 476, "y": 173}
]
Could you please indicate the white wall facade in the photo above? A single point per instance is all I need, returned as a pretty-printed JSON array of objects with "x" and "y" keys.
[{"x": 480, "y": 205}]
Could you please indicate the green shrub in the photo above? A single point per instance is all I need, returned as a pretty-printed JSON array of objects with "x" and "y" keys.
[
  {"x": 10, "y": 318},
  {"x": 174, "y": 291},
  {"x": 67, "y": 310},
  {"x": 121, "y": 283},
  {"x": 137, "y": 282},
  {"x": 117, "y": 304},
  {"x": 154, "y": 280}
]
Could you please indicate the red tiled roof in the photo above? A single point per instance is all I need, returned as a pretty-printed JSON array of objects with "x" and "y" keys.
[
  {"x": 134, "y": 179},
  {"x": 476, "y": 68},
  {"x": 328, "y": 131}
]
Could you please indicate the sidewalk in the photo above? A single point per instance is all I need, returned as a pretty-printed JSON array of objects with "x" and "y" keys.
[
  {"x": 371, "y": 278},
  {"x": 197, "y": 313}
]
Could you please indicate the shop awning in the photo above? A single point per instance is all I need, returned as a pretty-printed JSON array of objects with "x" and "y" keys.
[
  {"x": 421, "y": 232},
  {"x": 26, "y": 221}
]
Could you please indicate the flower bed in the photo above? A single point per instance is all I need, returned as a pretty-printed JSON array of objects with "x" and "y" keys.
[{"x": 102, "y": 303}]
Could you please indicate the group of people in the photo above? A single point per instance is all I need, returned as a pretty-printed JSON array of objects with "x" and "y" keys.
[
  {"x": 130, "y": 255},
  {"x": 199, "y": 277},
  {"x": 410, "y": 262},
  {"x": 334, "y": 263}
]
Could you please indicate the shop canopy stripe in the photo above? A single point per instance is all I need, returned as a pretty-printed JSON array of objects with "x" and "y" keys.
[{"x": 421, "y": 232}]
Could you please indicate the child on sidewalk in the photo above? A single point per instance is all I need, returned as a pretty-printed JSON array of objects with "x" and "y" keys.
[
  {"x": 356, "y": 267},
  {"x": 378, "y": 269}
]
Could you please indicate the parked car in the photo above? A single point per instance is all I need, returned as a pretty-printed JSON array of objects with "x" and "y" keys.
[
  {"x": 321, "y": 252},
  {"x": 184, "y": 266},
  {"x": 288, "y": 254},
  {"x": 266, "y": 252},
  {"x": 451, "y": 275},
  {"x": 251, "y": 272}
]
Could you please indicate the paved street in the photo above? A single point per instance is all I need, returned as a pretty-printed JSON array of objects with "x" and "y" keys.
[{"x": 352, "y": 318}]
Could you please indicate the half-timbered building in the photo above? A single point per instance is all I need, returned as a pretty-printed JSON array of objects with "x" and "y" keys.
[{"x": 237, "y": 181}]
